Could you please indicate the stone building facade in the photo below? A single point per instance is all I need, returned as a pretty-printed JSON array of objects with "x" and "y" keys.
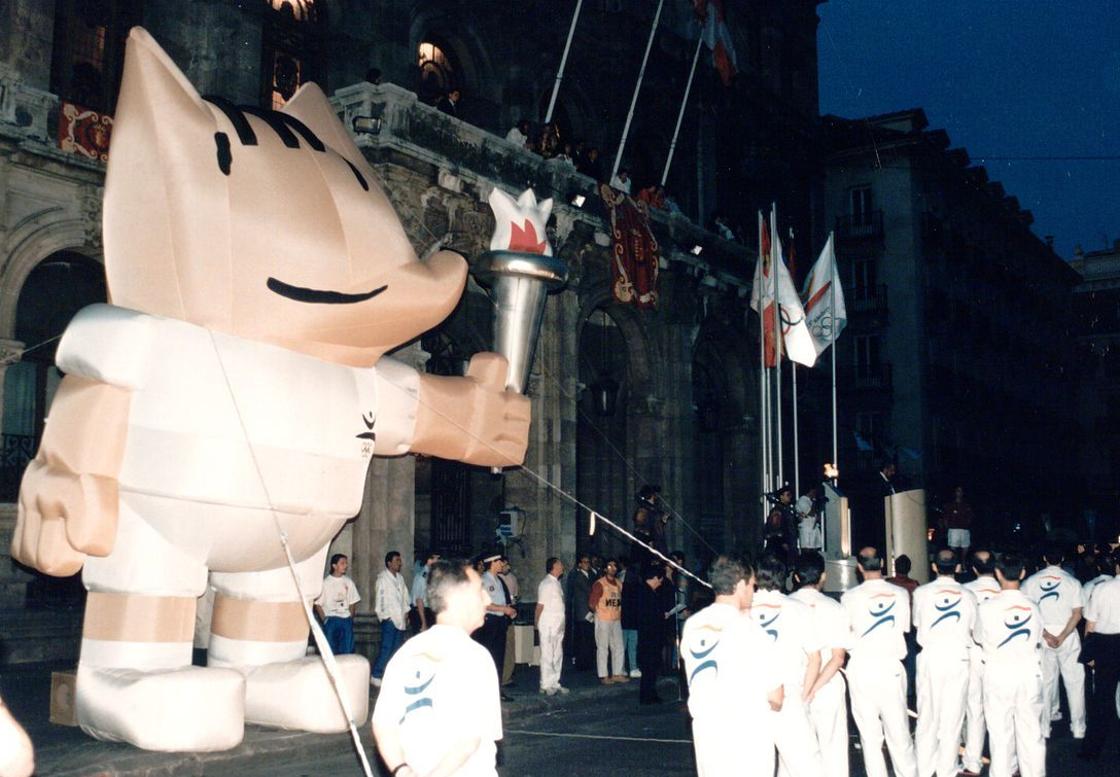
[
  {"x": 682, "y": 413},
  {"x": 959, "y": 360}
]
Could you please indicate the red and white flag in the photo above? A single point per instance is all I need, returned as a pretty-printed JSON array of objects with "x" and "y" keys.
[
  {"x": 825, "y": 313},
  {"x": 717, "y": 37},
  {"x": 797, "y": 341}
]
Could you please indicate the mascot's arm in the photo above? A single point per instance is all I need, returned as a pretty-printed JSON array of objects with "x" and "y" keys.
[
  {"x": 68, "y": 497},
  {"x": 473, "y": 419}
]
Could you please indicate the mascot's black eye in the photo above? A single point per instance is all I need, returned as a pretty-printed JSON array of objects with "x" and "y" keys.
[{"x": 225, "y": 156}]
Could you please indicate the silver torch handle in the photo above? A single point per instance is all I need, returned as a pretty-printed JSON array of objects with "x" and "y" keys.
[{"x": 519, "y": 286}]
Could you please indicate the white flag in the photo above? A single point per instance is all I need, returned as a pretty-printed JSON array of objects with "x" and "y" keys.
[
  {"x": 796, "y": 338},
  {"x": 824, "y": 300}
]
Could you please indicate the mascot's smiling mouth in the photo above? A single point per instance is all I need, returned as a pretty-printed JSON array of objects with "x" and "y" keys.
[{"x": 300, "y": 294}]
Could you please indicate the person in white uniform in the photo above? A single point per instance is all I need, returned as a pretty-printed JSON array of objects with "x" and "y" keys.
[
  {"x": 1102, "y": 647},
  {"x": 438, "y": 709},
  {"x": 549, "y": 619},
  {"x": 789, "y": 624},
  {"x": 1103, "y": 565},
  {"x": 984, "y": 587},
  {"x": 1058, "y": 596},
  {"x": 944, "y": 614},
  {"x": 1009, "y": 631},
  {"x": 879, "y": 617},
  {"x": 828, "y": 712},
  {"x": 731, "y": 688}
]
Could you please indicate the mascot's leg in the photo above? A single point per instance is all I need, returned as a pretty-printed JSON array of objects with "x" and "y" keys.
[
  {"x": 260, "y": 628},
  {"x": 135, "y": 682}
]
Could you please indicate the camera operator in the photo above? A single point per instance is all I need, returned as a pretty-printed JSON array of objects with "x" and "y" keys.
[
  {"x": 781, "y": 524},
  {"x": 651, "y": 518}
]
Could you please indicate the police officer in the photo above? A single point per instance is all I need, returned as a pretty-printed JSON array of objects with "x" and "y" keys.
[{"x": 499, "y": 614}]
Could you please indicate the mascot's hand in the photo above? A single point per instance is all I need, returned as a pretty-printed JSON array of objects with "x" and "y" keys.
[
  {"x": 499, "y": 422},
  {"x": 68, "y": 498}
]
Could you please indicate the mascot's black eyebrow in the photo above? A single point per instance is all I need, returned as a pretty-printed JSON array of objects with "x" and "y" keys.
[{"x": 281, "y": 123}]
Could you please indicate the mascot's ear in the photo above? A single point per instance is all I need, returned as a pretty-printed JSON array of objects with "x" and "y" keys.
[
  {"x": 152, "y": 78},
  {"x": 312, "y": 107}
]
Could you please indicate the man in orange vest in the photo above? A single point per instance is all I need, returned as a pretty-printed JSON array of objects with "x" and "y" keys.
[{"x": 606, "y": 602}]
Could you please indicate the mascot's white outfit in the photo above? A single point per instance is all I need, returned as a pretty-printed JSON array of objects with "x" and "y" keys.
[
  {"x": 235, "y": 392},
  {"x": 245, "y": 438}
]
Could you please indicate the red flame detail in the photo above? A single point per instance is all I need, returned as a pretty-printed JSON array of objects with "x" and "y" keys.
[{"x": 525, "y": 240}]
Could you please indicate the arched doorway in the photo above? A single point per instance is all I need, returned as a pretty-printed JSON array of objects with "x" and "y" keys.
[
  {"x": 56, "y": 289},
  {"x": 603, "y": 480}
]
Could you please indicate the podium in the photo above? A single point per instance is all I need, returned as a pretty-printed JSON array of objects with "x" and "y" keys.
[
  {"x": 839, "y": 564},
  {"x": 906, "y": 528}
]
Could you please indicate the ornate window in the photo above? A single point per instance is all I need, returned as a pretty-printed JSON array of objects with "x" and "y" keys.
[
  {"x": 290, "y": 49},
  {"x": 88, "y": 52},
  {"x": 437, "y": 73}
]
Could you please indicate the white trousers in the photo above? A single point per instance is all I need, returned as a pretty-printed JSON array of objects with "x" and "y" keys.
[
  {"x": 1063, "y": 662},
  {"x": 798, "y": 753},
  {"x": 878, "y": 691},
  {"x": 974, "y": 730},
  {"x": 829, "y": 716},
  {"x": 608, "y": 637},
  {"x": 552, "y": 652},
  {"x": 942, "y": 685},
  {"x": 724, "y": 748},
  {"x": 1014, "y": 709}
]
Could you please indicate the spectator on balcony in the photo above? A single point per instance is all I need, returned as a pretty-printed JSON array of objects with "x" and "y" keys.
[
  {"x": 373, "y": 76},
  {"x": 590, "y": 165},
  {"x": 449, "y": 103},
  {"x": 519, "y": 133},
  {"x": 621, "y": 180},
  {"x": 565, "y": 155},
  {"x": 670, "y": 204},
  {"x": 722, "y": 228},
  {"x": 653, "y": 195},
  {"x": 549, "y": 144}
]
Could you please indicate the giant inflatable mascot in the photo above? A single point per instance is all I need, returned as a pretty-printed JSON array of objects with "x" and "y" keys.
[{"x": 236, "y": 387}]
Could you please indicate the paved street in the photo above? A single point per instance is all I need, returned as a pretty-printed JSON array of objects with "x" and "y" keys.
[{"x": 596, "y": 727}]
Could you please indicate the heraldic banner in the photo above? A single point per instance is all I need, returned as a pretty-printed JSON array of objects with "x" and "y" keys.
[{"x": 635, "y": 252}]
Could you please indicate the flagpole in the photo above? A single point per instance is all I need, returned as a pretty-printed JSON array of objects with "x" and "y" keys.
[
  {"x": 775, "y": 257},
  {"x": 763, "y": 416},
  {"x": 832, "y": 300},
  {"x": 680, "y": 113},
  {"x": 796, "y": 468},
  {"x": 563, "y": 63},
  {"x": 637, "y": 88}
]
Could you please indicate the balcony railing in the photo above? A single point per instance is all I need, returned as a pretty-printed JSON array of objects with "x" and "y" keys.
[
  {"x": 869, "y": 299},
  {"x": 862, "y": 226},
  {"x": 15, "y": 451},
  {"x": 472, "y": 155},
  {"x": 865, "y": 377}
]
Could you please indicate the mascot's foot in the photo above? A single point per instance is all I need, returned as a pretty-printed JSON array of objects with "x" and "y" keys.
[
  {"x": 298, "y": 695},
  {"x": 191, "y": 708}
]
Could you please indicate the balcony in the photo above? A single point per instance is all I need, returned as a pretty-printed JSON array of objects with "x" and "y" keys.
[
  {"x": 471, "y": 158},
  {"x": 858, "y": 228},
  {"x": 865, "y": 377},
  {"x": 869, "y": 300}
]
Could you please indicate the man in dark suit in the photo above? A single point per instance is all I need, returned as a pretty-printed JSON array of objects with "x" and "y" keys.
[
  {"x": 449, "y": 103},
  {"x": 655, "y": 599},
  {"x": 581, "y": 631}
]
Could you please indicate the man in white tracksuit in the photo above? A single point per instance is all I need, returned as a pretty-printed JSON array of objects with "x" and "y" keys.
[
  {"x": 1009, "y": 631},
  {"x": 944, "y": 614},
  {"x": 879, "y": 617},
  {"x": 732, "y": 689},
  {"x": 984, "y": 587},
  {"x": 549, "y": 618},
  {"x": 789, "y": 624},
  {"x": 1058, "y": 596},
  {"x": 828, "y": 712}
]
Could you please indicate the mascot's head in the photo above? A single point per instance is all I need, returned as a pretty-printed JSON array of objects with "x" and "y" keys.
[{"x": 262, "y": 224}]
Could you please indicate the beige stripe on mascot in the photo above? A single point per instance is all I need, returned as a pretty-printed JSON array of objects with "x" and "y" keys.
[{"x": 257, "y": 275}]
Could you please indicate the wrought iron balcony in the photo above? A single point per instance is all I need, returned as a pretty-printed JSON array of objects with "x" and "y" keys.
[
  {"x": 869, "y": 299},
  {"x": 865, "y": 377},
  {"x": 860, "y": 227}
]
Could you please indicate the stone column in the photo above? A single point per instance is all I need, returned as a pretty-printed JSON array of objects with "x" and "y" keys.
[{"x": 10, "y": 353}]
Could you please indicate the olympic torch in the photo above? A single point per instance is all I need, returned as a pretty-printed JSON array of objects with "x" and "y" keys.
[{"x": 520, "y": 271}]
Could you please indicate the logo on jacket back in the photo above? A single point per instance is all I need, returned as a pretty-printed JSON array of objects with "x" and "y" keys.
[
  {"x": 1015, "y": 619},
  {"x": 767, "y": 620},
  {"x": 705, "y": 649},
  {"x": 1049, "y": 590},
  {"x": 947, "y": 605},
  {"x": 881, "y": 611}
]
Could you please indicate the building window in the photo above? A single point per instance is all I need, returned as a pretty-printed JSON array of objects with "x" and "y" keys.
[
  {"x": 860, "y": 201},
  {"x": 864, "y": 278},
  {"x": 88, "y": 51},
  {"x": 437, "y": 73},
  {"x": 289, "y": 49},
  {"x": 867, "y": 356}
]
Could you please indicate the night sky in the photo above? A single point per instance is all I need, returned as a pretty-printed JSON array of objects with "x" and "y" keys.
[{"x": 1005, "y": 78}]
